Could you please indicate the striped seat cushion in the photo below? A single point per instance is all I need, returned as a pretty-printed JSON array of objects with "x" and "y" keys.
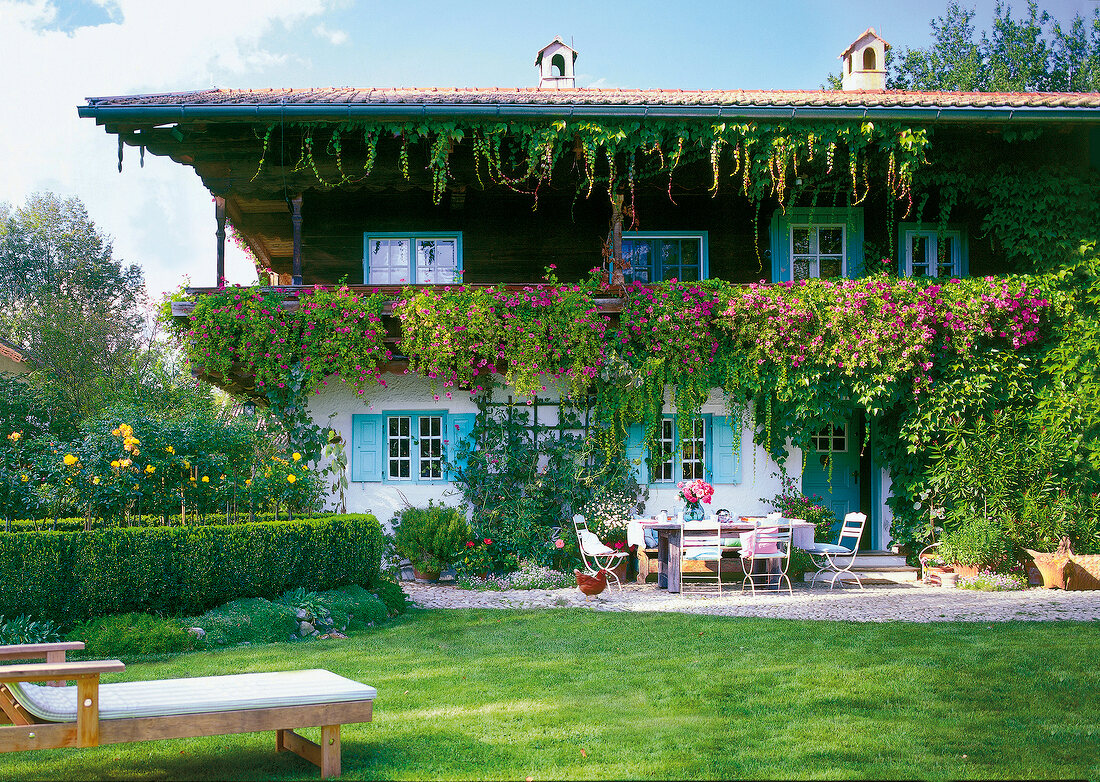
[{"x": 195, "y": 696}]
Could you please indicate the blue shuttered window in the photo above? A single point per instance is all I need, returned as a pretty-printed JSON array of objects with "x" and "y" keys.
[
  {"x": 404, "y": 446},
  {"x": 820, "y": 241},
  {"x": 720, "y": 452}
]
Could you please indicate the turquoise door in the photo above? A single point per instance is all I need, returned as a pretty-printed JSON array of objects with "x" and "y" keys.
[{"x": 833, "y": 470}]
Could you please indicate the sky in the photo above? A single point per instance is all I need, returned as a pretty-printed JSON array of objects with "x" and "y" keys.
[{"x": 56, "y": 53}]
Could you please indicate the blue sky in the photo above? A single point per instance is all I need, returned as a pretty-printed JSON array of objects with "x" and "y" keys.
[{"x": 57, "y": 52}]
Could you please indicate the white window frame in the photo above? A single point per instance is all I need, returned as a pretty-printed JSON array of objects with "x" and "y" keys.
[
  {"x": 908, "y": 231},
  {"x": 701, "y": 236},
  {"x": 815, "y": 257},
  {"x": 415, "y": 445},
  {"x": 413, "y": 238},
  {"x": 829, "y": 435},
  {"x": 676, "y": 456}
]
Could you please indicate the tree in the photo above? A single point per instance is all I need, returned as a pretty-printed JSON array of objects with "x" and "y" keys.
[
  {"x": 1032, "y": 53},
  {"x": 65, "y": 299}
]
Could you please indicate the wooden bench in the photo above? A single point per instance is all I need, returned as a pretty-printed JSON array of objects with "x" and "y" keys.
[
  {"x": 645, "y": 561},
  {"x": 29, "y": 731}
]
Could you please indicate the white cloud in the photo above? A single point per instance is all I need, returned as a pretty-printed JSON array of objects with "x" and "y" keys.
[
  {"x": 335, "y": 37},
  {"x": 159, "y": 216}
]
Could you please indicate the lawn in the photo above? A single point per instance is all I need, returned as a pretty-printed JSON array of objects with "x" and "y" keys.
[{"x": 574, "y": 694}]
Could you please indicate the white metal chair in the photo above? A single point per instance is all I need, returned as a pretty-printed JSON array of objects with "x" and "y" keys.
[
  {"x": 771, "y": 545},
  {"x": 595, "y": 554},
  {"x": 834, "y": 560},
  {"x": 700, "y": 541}
]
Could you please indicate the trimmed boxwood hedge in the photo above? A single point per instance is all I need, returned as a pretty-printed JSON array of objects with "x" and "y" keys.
[
  {"x": 69, "y": 524},
  {"x": 73, "y": 576}
]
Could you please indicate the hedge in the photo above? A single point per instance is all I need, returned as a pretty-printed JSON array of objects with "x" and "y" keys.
[
  {"x": 77, "y": 524},
  {"x": 73, "y": 576}
]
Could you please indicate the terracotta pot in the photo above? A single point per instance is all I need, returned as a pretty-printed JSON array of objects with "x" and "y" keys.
[
  {"x": 430, "y": 576},
  {"x": 967, "y": 571}
]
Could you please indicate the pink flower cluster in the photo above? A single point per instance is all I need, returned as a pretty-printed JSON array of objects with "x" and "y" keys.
[{"x": 695, "y": 491}]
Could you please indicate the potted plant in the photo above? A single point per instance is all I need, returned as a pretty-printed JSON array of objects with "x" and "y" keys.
[{"x": 430, "y": 538}]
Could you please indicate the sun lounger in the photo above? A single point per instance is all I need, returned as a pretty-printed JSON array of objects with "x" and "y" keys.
[{"x": 90, "y": 714}]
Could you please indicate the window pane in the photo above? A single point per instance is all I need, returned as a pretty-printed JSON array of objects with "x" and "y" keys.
[
  {"x": 802, "y": 268},
  {"x": 399, "y": 446},
  {"x": 918, "y": 249},
  {"x": 665, "y": 449},
  {"x": 693, "y": 449},
  {"x": 800, "y": 238},
  {"x": 637, "y": 253},
  {"x": 829, "y": 267},
  {"x": 830, "y": 241},
  {"x": 431, "y": 447},
  {"x": 388, "y": 262},
  {"x": 436, "y": 261}
]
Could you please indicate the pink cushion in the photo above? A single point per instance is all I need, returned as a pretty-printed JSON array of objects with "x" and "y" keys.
[{"x": 749, "y": 548}]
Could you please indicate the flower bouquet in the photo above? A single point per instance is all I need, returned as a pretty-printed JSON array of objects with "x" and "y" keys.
[{"x": 693, "y": 493}]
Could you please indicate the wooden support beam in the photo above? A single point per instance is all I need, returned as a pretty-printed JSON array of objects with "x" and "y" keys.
[
  {"x": 219, "y": 215},
  {"x": 616, "y": 276},
  {"x": 296, "y": 223}
]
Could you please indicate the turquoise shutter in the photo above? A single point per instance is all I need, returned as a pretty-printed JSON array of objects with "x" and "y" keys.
[
  {"x": 460, "y": 428},
  {"x": 366, "y": 448},
  {"x": 635, "y": 453},
  {"x": 725, "y": 449},
  {"x": 781, "y": 248},
  {"x": 853, "y": 241}
]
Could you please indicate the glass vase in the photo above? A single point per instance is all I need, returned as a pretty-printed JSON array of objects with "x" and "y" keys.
[{"x": 693, "y": 511}]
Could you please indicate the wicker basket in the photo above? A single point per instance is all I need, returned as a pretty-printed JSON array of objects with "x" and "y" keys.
[{"x": 1083, "y": 571}]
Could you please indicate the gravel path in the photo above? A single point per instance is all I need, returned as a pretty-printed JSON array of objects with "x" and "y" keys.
[{"x": 900, "y": 602}]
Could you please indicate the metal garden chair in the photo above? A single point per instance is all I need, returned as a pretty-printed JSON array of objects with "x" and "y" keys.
[
  {"x": 595, "y": 554},
  {"x": 835, "y": 560}
]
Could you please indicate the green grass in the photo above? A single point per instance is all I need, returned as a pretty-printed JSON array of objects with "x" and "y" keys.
[{"x": 574, "y": 694}]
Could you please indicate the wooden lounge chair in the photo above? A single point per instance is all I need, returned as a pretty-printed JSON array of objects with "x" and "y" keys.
[{"x": 90, "y": 714}]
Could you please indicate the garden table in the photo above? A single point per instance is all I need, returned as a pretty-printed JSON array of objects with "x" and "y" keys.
[{"x": 668, "y": 542}]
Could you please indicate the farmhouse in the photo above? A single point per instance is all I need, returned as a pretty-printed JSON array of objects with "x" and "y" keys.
[{"x": 462, "y": 211}]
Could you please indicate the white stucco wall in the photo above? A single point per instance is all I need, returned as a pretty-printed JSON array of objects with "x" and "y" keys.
[{"x": 335, "y": 405}]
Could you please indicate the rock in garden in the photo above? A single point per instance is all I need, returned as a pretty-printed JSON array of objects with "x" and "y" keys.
[
  {"x": 303, "y": 615},
  {"x": 198, "y": 632},
  {"x": 305, "y": 628}
]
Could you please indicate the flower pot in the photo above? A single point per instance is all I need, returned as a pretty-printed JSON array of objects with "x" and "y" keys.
[
  {"x": 949, "y": 580},
  {"x": 430, "y": 576},
  {"x": 969, "y": 571}
]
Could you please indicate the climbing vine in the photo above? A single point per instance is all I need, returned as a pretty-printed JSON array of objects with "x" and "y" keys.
[{"x": 764, "y": 160}]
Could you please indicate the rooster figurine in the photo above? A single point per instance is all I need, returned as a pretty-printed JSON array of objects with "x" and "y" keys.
[{"x": 591, "y": 585}]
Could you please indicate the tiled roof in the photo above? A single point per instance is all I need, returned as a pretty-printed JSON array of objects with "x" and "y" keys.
[{"x": 474, "y": 96}]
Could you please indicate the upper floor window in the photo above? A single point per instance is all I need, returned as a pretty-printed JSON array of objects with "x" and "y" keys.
[
  {"x": 686, "y": 462},
  {"x": 933, "y": 253},
  {"x": 423, "y": 258},
  {"x": 657, "y": 256},
  {"x": 418, "y": 446},
  {"x": 817, "y": 251},
  {"x": 816, "y": 242}
]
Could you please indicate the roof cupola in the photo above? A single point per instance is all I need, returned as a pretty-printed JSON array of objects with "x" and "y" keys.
[
  {"x": 864, "y": 63},
  {"x": 555, "y": 63}
]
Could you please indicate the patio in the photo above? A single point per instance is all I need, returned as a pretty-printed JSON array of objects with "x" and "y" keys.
[{"x": 880, "y": 603}]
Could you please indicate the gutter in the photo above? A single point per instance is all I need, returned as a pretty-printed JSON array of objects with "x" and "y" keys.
[{"x": 344, "y": 112}]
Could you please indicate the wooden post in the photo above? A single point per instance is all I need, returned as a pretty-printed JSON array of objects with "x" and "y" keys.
[
  {"x": 87, "y": 711},
  {"x": 330, "y": 751},
  {"x": 296, "y": 222},
  {"x": 219, "y": 215},
  {"x": 616, "y": 274}
]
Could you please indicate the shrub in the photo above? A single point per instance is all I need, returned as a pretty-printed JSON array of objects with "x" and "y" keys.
[
  {"x": 391, "y": 594},
  {"x": 354, "y": 608},
  {"x": 978, "y": 542},
  {"x": 24, "y": 630},
  {"x": 180, "y": 570},
  {"x": 127, "y": 635},
  {"x": 430, "y": 537},
  {"x": 252, "y": 620}
]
